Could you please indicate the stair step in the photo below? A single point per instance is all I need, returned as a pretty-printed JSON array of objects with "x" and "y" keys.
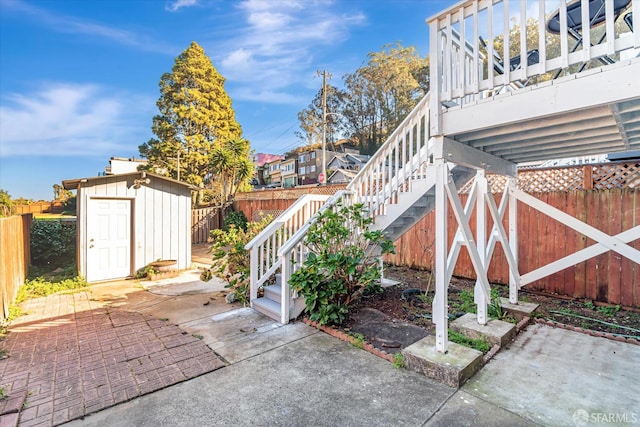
[
  {"x": 267, "y": 307},
  {"x": 273, "y": 292}
]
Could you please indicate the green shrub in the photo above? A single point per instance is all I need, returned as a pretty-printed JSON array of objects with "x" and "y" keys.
[
  {"x": 237, "y": 219},
  {"x": 53, "y": 243},
  {"x": 342, "y": 263},
  {"x": 231, "y": 261}
]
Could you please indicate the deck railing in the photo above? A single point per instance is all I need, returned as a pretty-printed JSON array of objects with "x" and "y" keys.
[{"x": 550, "y": 43}]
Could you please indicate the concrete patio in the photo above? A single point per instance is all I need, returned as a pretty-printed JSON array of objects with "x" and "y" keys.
[{"x": 258, "y": 372}]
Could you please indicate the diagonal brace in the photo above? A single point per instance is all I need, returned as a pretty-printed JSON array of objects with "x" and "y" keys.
[
  {"x": 494, "y": 230},
  {"x": 502, "y": 237},
  {"x": 612, "y": 243},
  {"x": 576, "y": 257},
  {"x": 457, "y": 238},
  {"x": 458, "y": 211}
]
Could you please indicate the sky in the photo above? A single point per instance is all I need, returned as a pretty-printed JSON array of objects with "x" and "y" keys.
[{"x": 79, "y": 79}]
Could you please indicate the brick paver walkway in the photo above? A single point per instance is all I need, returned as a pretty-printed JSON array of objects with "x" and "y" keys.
[{"x": 71, "y": 357}]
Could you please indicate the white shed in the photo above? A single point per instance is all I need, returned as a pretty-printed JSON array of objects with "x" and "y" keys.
[{"x": 130, "y": 220}]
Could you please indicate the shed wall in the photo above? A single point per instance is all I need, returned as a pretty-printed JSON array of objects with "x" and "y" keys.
[{"x": 161, "y": 215}]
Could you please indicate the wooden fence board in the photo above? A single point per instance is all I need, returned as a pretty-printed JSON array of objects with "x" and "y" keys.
[
  {"x": 626, "y": 268},
  {"x": 592, "y": 207},
  {"x": 204, "y": 220},
  {"x": 614, "y": 259},
  {"x": 15, "y": 256},
  {"x": 569, "y": 237}
]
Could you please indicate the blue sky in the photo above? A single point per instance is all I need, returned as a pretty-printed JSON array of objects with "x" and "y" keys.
[{"x": 79, "y": 79}]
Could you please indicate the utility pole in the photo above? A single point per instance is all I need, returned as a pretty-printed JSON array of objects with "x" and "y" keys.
[{"x": 324, "y": 127}]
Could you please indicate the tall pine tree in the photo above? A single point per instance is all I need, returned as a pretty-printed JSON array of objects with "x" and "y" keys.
[{"x": 195, "y": 123}]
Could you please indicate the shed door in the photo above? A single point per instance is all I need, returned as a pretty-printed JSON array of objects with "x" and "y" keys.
[{"x": 108, "y": 239}]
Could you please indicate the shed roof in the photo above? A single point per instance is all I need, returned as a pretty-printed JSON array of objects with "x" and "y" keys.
[{"x": 72, "y": 184}]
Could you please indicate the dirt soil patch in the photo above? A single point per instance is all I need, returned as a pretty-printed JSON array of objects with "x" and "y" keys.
[{"x": 415, "y": 308}]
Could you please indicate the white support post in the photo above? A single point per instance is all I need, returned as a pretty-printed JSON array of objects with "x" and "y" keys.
[
  {"x": 253, "y": 274},
  {"x": 481, "y": 241},
  {"x": 513, "y": 238},
  {"x": 501, "y": 235},
  {"x": 440, "y": 301},
  {"x": 285, "y": 296}
]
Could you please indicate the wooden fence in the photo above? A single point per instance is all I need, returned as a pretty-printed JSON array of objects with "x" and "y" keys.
[
  {"x": 258, "y": 204},
  {"x": 597, "y": 176},
  {"x": 40, "y": 207},
  {"x": 14, "y": 258},
  {"x": 607, "y": 278},
  {"x": 204, "y": 220}
]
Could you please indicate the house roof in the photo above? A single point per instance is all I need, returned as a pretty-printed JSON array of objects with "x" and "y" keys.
[
  {"x": 261, "y": 158},
  {"x": 346, "y": 172},
  {"x": 350, "y": 158},
  {"x": 72, "y": 184}
]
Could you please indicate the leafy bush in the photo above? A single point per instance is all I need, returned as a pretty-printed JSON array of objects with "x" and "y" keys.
[
  {"x": 342, "y": 264},
  {"x": 231, "y": 261},
  {"x": 145, "y": 271},
  {"x": 53, "y": 243},
  {"x": 237, "y": 219}
]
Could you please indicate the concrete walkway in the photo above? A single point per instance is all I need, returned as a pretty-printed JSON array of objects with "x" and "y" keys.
[
  {"x": 305, "y": 377},
  {"x": 294, "y": 375}
]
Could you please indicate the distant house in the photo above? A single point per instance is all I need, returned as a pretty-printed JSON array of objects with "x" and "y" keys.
[
  {"x": 259, "y": 160},
  {"x": 272, "y": 174},
  {"x": 347, "y": 161},
  {"x": 126, "y": 221},
  {"x": 289, "y": 173},
  {"x": 120, "y": 165},
  {"x": 341, "y": 176},
  {"x": 309, "y": 166}
]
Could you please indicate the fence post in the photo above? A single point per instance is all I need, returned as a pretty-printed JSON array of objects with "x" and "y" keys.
[{"x": 587, "y": 177}]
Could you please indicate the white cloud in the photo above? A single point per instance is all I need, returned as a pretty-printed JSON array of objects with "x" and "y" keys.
[
  {"x": 72, "y": 120},
  {"x": 275, "y": 49},
  {"x": 268, "y": 96},
  {"x": 176, "y": 5},
  {"x": 73, "y": 25}
]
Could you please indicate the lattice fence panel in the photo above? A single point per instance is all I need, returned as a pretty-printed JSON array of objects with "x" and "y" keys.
[
  {"x": 290, "y": 193},
  {"x": 600, "y": 176},
  {"x": 616, "y": 175}
]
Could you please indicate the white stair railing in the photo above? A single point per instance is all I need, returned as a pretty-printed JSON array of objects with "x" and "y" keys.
[
  {"x": 294, "y": 252},
  {"x": 265, "y": 246},
  {"x": 403, "y": 157}
]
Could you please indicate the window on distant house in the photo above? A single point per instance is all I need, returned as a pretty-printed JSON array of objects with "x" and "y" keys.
[
  {"x": 312, "y": 168},
  {"x": 302, "y": 170},
  {"x": 313, "y": 155}
]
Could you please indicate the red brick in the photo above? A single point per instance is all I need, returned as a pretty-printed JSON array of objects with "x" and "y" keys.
[
  {"x": 9, "y": 420},
  {"x": 61, "y": 416}
]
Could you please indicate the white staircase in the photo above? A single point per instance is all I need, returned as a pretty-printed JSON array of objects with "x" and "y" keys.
[{"x": 396, "y": 187}]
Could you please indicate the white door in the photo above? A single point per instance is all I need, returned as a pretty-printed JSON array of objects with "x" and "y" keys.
[{"x": 108, "y": 239}]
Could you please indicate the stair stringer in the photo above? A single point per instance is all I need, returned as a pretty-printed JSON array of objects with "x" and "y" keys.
[{"x": 414, "y": 204}]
